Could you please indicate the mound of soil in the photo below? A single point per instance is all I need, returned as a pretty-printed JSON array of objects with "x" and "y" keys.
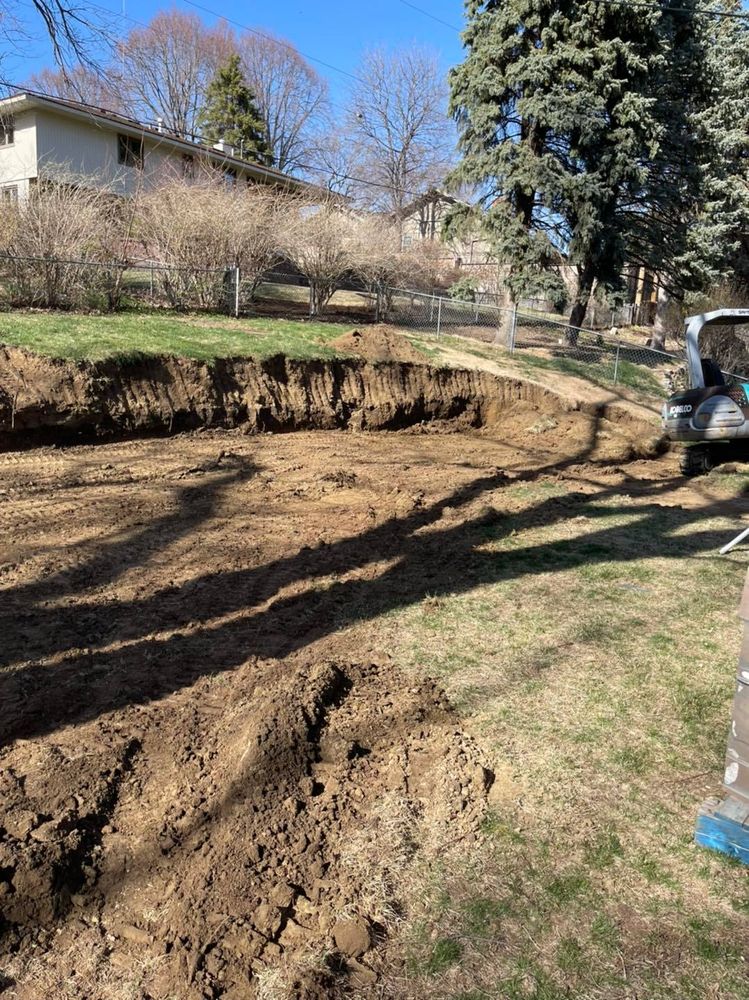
[
  {"x": 379, "y": 343},
  {"x": 231, "y": 829}
]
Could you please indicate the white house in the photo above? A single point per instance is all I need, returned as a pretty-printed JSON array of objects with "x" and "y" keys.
[{"x": 42, "y": 135}]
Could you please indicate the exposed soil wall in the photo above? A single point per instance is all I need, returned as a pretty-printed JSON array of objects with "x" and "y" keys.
[{"x": 45, "y": 399}]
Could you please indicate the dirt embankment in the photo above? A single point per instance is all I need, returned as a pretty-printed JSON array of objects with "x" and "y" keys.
[{"x": 45, "y": 399}]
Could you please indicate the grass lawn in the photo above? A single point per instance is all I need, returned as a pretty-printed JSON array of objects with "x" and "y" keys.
[
  {"x": 94, "y": 337},
  {"x": 80, "y": 336},
  {"x": 596, "y": 665}
]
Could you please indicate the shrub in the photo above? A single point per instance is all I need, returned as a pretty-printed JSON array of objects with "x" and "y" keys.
[
  {"x": 321, "y": 241},
  {"x": 202, "y": 229},
  {"x": 51, "y": 236}
]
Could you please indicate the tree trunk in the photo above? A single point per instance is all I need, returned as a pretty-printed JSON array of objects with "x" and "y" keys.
[
  {"x": 660, "y": 326},
  {"x": 503, "y": 332},
  {"x": 580, "y": 303}
]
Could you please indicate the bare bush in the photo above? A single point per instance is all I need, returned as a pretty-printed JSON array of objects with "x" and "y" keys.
[
  {"x": 202, "y": 229},
  {"x": 384, "y": 264},
  {"x": 321, "y": 241},
  {"x": 55, "y": 239}
]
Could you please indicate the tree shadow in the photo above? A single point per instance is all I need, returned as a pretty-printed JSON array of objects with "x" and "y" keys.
[{"x": 427, "y": 555}]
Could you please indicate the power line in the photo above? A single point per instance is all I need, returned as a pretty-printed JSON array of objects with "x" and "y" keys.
[
  {"x": 432, "y": 17},
  {"x": 244, "y": 27},
  {"x": 270, "y": 38}
]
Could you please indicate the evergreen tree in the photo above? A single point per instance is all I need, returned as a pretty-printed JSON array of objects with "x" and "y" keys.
[
  {"x": 714, "y": 247},
  {"x": 578, "y": 119},
  {"x": 230, "y": 114}
]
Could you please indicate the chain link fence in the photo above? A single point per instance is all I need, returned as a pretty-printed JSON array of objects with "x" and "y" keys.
[
  {"x": 536, "y": 338},
  {"x": 55, "y": 283},
  {"x": 543, "y": 342}
]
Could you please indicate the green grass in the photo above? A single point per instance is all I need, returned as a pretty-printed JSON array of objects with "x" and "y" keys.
[
  {"x": 632, "y": 376},
  {"x": 78, "y": 336},
  {"x": 600, "y": 688}
]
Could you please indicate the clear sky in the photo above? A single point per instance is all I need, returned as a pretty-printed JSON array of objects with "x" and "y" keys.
[{"x": 333, "y": 31}]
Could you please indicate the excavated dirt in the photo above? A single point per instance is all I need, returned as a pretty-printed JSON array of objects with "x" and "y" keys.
[
  {"x": 211, "y": 774},
  {"x": 49, "y": 400},
  {"x": 205, "y": 841},
  {"x": 379, "y": 343}
]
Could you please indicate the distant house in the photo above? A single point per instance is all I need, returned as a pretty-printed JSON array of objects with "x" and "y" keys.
[
  {"x": 424, "y": 218},
  {"x": 39, "y": 136}
]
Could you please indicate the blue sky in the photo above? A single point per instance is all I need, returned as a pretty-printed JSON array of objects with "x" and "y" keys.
[{"x": 334, "y": 31}]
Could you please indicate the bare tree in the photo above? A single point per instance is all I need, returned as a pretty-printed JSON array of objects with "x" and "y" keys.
[
  {"x": 74, "y": 30},
  {"x": 397, "y": 117},
  {"x": 79, "y": 83},
  {"x": 291, "y": 96},
  {"x": 321, "y": 241},
  {"x": 165, "y": 68}
]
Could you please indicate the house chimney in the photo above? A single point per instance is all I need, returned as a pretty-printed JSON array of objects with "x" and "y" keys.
[
  {"x": 160, "y": 125},
  {"x": 224, "y": 147}
]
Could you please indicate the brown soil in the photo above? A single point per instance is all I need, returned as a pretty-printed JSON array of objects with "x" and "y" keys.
[
  {"x": 46, "y": 399},
  {"x": 209, "y": 776},
  {"x": 379, "y": 343}
]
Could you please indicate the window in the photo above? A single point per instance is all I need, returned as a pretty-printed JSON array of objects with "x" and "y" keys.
[
  {"x": 7, "y": 132},
  {"x": 9, "y": 194},
  {"x": 230, "y": 176},
  {"x": 406, "y": 241},
  {"x": 188, "y": 166},
  {"x": 129, "y": 151}
]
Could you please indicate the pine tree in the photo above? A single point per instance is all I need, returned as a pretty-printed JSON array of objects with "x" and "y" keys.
[
  {"x": 230, "y": 114},
  {"x": 575, "y": 117},
  {"x": 714, "y": 247}
]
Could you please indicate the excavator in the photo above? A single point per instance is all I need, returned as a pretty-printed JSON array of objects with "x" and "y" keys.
[{"x": 711, "y": 417}]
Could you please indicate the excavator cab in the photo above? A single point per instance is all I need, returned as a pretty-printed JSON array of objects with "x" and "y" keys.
[{"x": 711, "y": 417}]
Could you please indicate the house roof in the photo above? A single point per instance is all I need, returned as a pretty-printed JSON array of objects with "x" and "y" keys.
[
  {"x": 432, "y": 195},
  {"x": 103, "y": 118}
]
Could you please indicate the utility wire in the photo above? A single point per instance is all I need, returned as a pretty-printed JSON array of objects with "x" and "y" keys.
[
  {"x": 270, "y": 38},
  {"x": 432, "y": 17},
  {"x": 237, "y": 24}
]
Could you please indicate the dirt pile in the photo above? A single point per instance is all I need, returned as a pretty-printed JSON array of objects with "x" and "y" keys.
[
  {"x": 48, "y": 400},
  {"x": 231, "y": 832},
  {"x": 379, "y": 343}
]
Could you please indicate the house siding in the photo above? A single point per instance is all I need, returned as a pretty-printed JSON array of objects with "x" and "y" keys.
[
  {"x": 18, "y": 161},
  {"x": 87, "y": 149}
]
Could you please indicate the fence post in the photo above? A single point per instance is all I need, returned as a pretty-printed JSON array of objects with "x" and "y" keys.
[
  {"x": 616, "y": 361},
  {"x": 236, "y": 291},
  {"x": 439, "y": 314},
  {"x": 151, "y": 284}
]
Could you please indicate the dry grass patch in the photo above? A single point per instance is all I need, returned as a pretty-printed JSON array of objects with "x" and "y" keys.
[{"x": 596, "y": 662}]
